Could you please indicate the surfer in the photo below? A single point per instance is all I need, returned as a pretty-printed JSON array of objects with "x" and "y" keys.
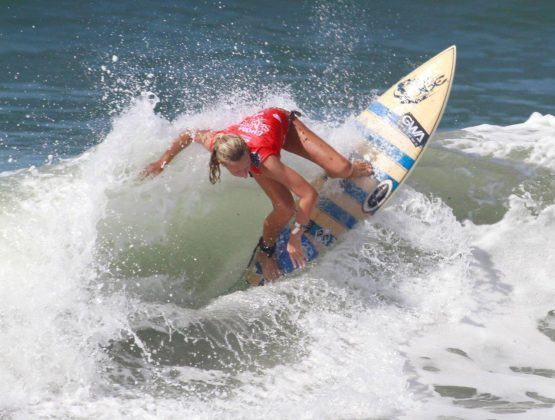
[{"x": 252, "y": 148}]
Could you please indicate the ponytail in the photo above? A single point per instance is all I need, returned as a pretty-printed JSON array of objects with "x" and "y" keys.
[{"x": 214, "y": 166}]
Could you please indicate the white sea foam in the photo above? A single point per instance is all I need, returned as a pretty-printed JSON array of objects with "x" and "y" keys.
[
  {"x": 532, "y": 141},
  {"x": 413, "y": 305}
]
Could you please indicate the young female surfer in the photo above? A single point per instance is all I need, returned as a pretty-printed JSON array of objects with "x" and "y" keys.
[{"x": 253, "y": 147}]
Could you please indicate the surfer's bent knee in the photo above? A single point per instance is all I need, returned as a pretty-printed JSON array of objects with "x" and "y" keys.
[{"x": 285, "y": 209}]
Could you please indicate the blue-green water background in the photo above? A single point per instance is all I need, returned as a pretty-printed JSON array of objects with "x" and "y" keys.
[{"x": 56, "y": 98}]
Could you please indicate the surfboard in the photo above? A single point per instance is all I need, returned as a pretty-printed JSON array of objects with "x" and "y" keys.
[{"x": 393, "y": 133}]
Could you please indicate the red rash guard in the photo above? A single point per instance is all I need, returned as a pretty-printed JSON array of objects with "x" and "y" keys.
[{"x": 264, "y": 133}]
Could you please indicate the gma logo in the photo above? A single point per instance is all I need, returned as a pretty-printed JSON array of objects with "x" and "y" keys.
[{"x": 410, "y": 126}]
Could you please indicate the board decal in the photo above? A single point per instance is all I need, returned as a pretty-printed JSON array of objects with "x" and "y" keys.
[
  {"x": 353, "y": 190},
  {"x": 387, "y": 131},
  {"x": 324, "y": 219},
  {"x": 382, "y": 111},
  {"x": 282, "y": 257},
  {"x": 414, "y": 91},
  {"x": 336, "y": 212},
  {"x": 321, "y": 235},
  {"x": 382, "y": 176},
  {"x": 413, "y": 130},
  {"x": 407, "y": 123},
  {"x": 386, "y": 147},
  {"x": 390, "y": 167},
  {"x": 376, "y": 198}
]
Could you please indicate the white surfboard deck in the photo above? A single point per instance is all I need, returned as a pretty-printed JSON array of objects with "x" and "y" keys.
[{"x": 394, "y": 132}]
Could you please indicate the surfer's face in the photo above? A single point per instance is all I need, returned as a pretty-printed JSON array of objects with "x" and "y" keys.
[{"x": 240, "y": 167}]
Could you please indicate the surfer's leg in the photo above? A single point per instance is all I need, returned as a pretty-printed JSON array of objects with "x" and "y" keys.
[
  {"x": 304, "y": 142},
  {"x": 283, "y": 210},
  {"x": 283, "y": 207}
]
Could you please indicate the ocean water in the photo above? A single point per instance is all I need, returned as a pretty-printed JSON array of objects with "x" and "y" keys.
[{"x": 123, "y": 298}]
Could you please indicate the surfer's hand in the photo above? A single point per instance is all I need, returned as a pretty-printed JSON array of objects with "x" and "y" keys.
[
  {"x": 270, "y": 270},
  {"x": 154, "y": 169},
  {"x": 295, "y": 249}
]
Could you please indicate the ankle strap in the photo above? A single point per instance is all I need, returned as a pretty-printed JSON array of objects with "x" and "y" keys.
[{"x": 266, "y": 249}]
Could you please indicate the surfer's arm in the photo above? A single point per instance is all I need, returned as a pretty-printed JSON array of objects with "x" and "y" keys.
[{"x": 180, "y": 143}]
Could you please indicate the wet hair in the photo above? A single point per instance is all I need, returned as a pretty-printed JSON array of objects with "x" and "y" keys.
[{"x": 227, "y": 148}]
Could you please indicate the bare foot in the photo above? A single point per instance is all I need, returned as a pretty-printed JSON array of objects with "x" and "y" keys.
[{"x": 361, "y": 168}]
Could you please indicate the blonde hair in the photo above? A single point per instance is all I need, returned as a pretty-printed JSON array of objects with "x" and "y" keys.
[{"x": 227, "y": 148}]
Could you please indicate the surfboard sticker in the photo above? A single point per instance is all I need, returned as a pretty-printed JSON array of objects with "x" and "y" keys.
[
  {"x": 378, "y": 196},
  {"x": 394, "y": 131},
  {"x": 413, "y": 130},
  {"x": 414, "y": 91}
]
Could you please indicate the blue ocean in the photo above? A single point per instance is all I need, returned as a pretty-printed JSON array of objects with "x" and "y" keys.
[{"x": 123, "y": 298}]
